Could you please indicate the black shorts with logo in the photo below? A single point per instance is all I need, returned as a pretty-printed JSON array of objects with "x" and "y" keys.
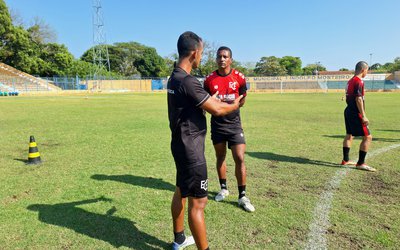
[
  {"x": 192, "y": 180},
  {"x": 235, "y": 138},
  {"x": 354, "y": 125}
]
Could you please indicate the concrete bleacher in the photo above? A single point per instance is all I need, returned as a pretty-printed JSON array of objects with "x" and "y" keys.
[
  {"x": 12, "y": 79},
  {"x": 369, "y": 85},
  {"x": 286, "y": 85}
]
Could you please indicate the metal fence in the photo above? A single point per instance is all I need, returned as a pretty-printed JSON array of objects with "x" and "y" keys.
[{"x": 11, "y": 84}]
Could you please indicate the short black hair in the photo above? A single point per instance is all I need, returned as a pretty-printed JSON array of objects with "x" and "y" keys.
[
  {"x": 225, "y": 48},
  {"x": 187, "y": 43},
  {"x": 360, "y": 66}
]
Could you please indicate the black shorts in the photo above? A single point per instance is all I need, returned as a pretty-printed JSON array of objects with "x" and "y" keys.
[
  {"x": 354, "y": 125},
  {"x": 193, "y": 180},
  {"x": 232, "y": 139}
]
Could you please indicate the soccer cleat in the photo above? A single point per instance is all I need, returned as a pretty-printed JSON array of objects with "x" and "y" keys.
[
  {"x": 244, "y": 202},
  {"x": 188, "y": 241},
  {"x": 344, "y": 163},
  {"x": 365, "y": 167},
  {"x": 222, "y": 195}
]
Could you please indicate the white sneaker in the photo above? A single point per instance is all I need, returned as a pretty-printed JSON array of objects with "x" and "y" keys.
[
  {"x": 222, "y": 195},
  {"x": 188, "y": 241},
  {"x": 244, "y": 202}
]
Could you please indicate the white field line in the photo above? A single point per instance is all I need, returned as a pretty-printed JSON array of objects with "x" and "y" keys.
[{"x": 320, "y": 224}]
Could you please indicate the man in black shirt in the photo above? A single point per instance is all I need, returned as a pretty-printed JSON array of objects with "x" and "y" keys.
[{"x": 187, "y": 101}]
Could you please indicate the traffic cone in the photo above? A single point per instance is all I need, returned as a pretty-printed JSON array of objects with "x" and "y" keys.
[{"x": 34, "y": 155}]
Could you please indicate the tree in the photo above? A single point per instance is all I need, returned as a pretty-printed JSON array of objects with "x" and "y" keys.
[
  {"x": 169, "y": 64},
  {"x": 396, "y": 65},
  {"x": 41, "y": 32},
  {"x": 16, "y": 18},
  {"x": 311, "y": 69},
  {"x": 270, "y": 66},
  {"x": 247, "y": 68},
  {"x": 20, "y": 52},
  {"x": 150, "y": 63},
  {"x": 208, "y": 60},
  {"x": 292, "y": 65},
  {"x": 132, "y": 58},
  {"x": 57, "y": 60},
  {"x": 5, "y": 27},
  {"x": 375, "y": 66},
  {"x": 344, "y": 69},
  {"x": 388, "y": 67},
  {"x": 80, "y": 68}
]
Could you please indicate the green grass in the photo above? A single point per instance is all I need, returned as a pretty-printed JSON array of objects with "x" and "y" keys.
[{"x": 107, "y": 176}]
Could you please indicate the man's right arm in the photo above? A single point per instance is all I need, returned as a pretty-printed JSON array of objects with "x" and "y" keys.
[
  {"x": 214, "y": 106},
  {"x": 361, "y": 110}
]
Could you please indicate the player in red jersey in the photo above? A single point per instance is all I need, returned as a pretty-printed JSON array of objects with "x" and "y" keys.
[
  {"x": 230, "y": 84},
  {"x": 355, "y": 118}
]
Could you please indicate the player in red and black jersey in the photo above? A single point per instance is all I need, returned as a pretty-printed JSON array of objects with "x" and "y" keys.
[
  {"x": 355, "y": 118},
  {"x": 186, "y": 101},
  {"x": 229, "y": 84}
]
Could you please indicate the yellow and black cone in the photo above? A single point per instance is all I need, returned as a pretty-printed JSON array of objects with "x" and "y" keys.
[{"x": 34, "y": 155}]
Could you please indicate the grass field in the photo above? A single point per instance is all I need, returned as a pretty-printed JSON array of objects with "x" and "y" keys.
[{"x": 107, "y": 176}]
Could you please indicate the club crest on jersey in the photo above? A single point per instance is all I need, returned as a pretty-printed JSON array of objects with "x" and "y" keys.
[
  {"x": 232, "y": 85},
  {"x": 216, "y": 87}
]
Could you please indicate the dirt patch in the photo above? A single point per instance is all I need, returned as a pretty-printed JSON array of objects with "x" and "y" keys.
[
  {"x": 343, "y": 240},
  {"x": 377, "y": 188},
  {"x": 273, "y": 164},
  {"x": 16, "y": 197},
  {"x": 350, "y": 242},
  {"x": 271, "y": 194},
  {"x": 296, "y": 236},
  {"x": 313, "y": 189}
]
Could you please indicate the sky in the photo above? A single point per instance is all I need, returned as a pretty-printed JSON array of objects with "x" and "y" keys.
[{"x": 337, "y": 34}]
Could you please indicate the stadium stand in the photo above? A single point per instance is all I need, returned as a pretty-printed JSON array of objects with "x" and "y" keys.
[
  {"x": 12, "y": 79},
  {"x": 369, "y": 85}
]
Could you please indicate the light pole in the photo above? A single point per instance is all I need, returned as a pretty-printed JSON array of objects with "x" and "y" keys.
[
  {"x": 316, "y": 71},
  {"x": 370, "y": 59}
]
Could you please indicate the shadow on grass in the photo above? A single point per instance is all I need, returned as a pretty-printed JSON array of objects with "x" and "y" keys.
[
  {"x": 284, "y": 158},
  {"x": 147, "y": 182},
  {"x": 390, "y": 130},
  {"x": 106, "y": 227},
  {"x": 211, "y": 195},
  {"x": 21, "y": 160},
  {"x": 373, "y": 138}
]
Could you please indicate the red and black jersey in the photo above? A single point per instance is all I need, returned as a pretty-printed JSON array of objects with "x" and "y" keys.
[
  {"x": 229, "y": 88},
  {"x": 354, "y": 88}
]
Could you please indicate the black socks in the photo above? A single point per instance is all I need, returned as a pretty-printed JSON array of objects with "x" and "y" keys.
[
  {"x": 361, "y": 157},
  {"x": 346, "y": 152},
  {"x": 179, "y": 237},
  {"x": 242, "y": 191},
  {"x": 222, "y": 183}
]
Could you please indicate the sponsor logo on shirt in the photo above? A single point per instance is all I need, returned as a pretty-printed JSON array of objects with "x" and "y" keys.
[
  {"x": 171, "y": 91},
  {"x": 227, "y": 98}
]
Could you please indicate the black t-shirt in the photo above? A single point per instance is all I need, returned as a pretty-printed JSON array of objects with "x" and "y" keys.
[{"x": 187, "y": 120}]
